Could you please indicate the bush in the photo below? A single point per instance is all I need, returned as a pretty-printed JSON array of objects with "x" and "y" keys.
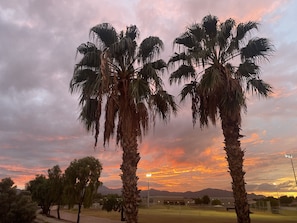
[
  {"x": 216, "y": 202},
  {"x": 112, "y": 202},
  {"x": 15, "y": 206}
]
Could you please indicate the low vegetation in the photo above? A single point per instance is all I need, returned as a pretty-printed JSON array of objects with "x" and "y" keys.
[
  {"x": 177, "y": 214},
  {"x": 15, "y": 206}
]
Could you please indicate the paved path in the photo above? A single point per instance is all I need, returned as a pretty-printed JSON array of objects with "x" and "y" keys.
[{"x": 70, "y": 218}]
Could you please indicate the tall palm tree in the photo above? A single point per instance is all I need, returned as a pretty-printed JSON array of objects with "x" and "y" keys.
[
  {"x": 124, "y": 78},
  {"x": 218, "y": 89}
]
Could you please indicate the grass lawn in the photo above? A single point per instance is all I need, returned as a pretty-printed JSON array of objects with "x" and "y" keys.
[{"x": 179, "y": 214}]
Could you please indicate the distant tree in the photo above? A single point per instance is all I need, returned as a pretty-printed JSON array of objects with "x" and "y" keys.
[
  {"x": 41, "y": 193},
  {"x": 82, "y": 181},
  {"x": 98, "y": 198},
  {"x": 15, "y": 206},
  {"x": 198, "y": 200},
  {"x": 112, "y": 202},
  {"x": 55, "y": 178},
  {"x": 205, "y": 199},
  {"x": 216, "y": 202},
  {"x": 285, "y": 200},
  {"x": 274, "y": 202}
]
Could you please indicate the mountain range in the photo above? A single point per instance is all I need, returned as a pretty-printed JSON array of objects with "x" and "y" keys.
[{"x": 213, "y": 193}]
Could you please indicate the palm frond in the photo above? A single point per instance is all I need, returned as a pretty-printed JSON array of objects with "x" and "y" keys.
[
  {"x": 178, "y": 57},
  {"x": 196, "y": 31},
  {"x": 105, "y": 34},
  {"x": 91, "y": 55},
  {"x": 86, "y": 47},
  {"x": 225, "y": 33},
  {"x": 159, "y": 64},
  {"x": 208, "y": 109},
  {"x": 110, "y": 117},
  {"x": 132, "y": 32},
  {"x": 125, "y": 48},
  {"x": 233, "y": 97},
  {"x": 186, "y": 40},
  {"x": 184, "y": 72},
  {"x": 91, "y": 60},
  {"x": 84, "y": 80},
  {"x": 232, "y": 49},
  {"x": 188, "y": 90},
  {"x": 149, "y": 48},
  {"x": 140, "y": 89},
  {"x": 89, "y": 114},
  {"x": 163, "y": 104},
  {"x": 259, "y": 87},
  {"x": 209, "y": 24},
  {"x": 241, "y": 30},
  {"x": 211, "y": 80},
  {"x": 150, "y": 74},
  {"x": 256, "y": 48},
  {"x": 82, "y": 48},
  {"x": 244, "y": 28},
  {"x": 143, "y": 116},
  {"x": 247, "y": 69}
]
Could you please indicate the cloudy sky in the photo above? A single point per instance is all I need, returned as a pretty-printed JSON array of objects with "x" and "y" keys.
[{"x": 38, "y": 115}]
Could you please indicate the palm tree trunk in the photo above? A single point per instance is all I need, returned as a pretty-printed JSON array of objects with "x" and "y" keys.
[
  {"x": 231, "y": 131},
  {"x": 129, "y": 178}
]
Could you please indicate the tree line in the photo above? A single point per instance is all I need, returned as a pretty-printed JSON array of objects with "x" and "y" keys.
[{"x": 76, "y": 186}]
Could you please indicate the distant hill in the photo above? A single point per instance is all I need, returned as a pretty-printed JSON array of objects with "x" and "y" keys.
[
  {"x": 105, "y": 190},
  {"x": 189, "y": 194}
]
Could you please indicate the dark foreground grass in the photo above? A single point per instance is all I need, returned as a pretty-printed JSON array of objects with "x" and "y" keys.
[{"x": 180, "y": 214}]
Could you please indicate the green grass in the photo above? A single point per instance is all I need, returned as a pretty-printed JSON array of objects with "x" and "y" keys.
[{"x": 179, "y": 214}]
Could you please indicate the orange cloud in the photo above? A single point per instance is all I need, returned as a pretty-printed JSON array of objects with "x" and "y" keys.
[{"x": 253, "y": 139}]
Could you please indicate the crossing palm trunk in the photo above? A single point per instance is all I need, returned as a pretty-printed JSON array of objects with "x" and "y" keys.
[
  {"x": 130, "y": 191},
  {"x": 231, "y": 131}
]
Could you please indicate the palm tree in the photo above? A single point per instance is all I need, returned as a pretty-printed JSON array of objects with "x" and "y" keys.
[
  {"x": 218, "y": 89},
  {"x": 124, "y": 78}
]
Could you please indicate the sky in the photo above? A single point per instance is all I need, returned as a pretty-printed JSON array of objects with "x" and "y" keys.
[{"x": 39, "y": 125}]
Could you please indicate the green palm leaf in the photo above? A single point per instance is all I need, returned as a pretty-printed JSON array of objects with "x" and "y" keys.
[
  {"x": 132, "y": 32},
  {"x": 186, "y": 40},
  {"x": 184, "y": 72},
  {"x": 105, "y": 33},
  {"x": 149, "y": 48},
  {"x": 247, "y": 69},
  {"x": 244, "y": 28},
  {"x": 209, "y": 24},
  {"x": 258, "y": 86},
  {"x": 256, "y": 48}
]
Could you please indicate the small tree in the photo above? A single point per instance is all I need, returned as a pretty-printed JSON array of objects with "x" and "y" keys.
[
  {"x": 55, "y": 178},
  {"x": 81, "y": 179},
  {"x": 198, "y": 200},
  {"x": 112, "y": 202},
  {"x": 274, "y": 202},
  {"x": 216, "y": 202},
  {"x": 15, "y": 207},
  {"x": 285, "y": 200},
  {"x": 41, "y": 193},
  {"x": 205, "y": 199}
]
